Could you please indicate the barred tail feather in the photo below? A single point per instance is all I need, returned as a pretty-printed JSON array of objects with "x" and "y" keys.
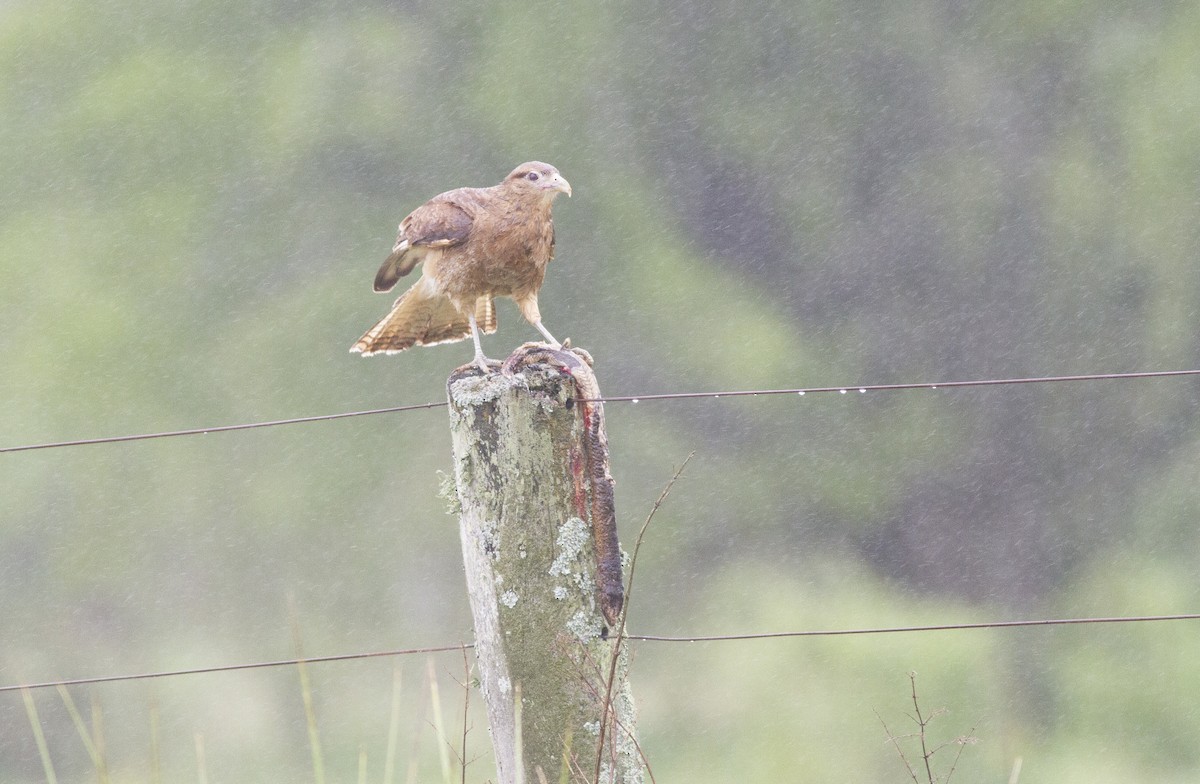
[{"x": 417, "y": 319}]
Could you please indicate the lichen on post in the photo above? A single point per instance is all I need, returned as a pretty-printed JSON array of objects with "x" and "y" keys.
[{"x": 542, "y": 563}]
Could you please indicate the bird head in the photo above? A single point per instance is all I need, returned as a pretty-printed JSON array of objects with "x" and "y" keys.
[{"x": 540, "y": 178}]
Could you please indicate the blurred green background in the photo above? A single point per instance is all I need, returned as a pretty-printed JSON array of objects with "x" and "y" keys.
[{"x": 196, "y": 195}]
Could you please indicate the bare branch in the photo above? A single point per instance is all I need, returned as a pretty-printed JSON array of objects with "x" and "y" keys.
[{"x": 620, "y": 637}]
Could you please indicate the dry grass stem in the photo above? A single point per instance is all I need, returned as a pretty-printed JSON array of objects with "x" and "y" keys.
[{"x": 610, "y": 682}]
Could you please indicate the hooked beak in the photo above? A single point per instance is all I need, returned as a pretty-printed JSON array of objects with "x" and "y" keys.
[{"x": 560, "y": 184}]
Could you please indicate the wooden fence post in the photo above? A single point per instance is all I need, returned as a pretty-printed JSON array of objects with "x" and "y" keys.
[{"x": 543, "y": 566}]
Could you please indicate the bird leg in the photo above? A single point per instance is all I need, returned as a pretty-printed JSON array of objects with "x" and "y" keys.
[
  {"x": 528, "y": 306},
  {"x": 480, "y": 360},
  {"x": 546, "y": 333}
]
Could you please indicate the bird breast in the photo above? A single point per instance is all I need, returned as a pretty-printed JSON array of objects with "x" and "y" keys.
[{"x": 506, "y": 254}]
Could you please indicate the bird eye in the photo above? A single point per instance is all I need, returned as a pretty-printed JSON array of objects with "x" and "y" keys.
[{"x": 532, "y": 176}]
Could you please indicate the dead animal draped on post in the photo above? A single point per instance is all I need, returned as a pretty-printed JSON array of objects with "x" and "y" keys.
[
  {"x": 593, "y": 484},
  {"x": 543, "y": 566}
]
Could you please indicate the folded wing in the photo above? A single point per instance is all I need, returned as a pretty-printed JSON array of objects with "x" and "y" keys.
[{"x": 439, "y": 223}]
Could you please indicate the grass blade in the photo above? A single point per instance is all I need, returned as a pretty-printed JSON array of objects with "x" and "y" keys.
[
  {"x": 201, "y": 765},
  {"x": 84, "y": 734},
  {"x": 98, "y": 740},
  {"x": 155, "y": 745},
  {"x": 389, "y": 761},
  {"x": 310, "y": 714},
  {"x": 40, "y": 738},
  {"x": 439, "y": 726}
]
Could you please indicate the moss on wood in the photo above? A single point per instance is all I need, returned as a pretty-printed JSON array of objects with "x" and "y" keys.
[{"x": 531, "y": 571}]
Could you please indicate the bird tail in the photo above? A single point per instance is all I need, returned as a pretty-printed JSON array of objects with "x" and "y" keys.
[{"x": 423, "y": 318}]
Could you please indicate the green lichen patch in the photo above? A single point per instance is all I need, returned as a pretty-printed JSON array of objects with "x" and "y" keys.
[
  {"x": 530, "y": 556},
  {"x": 585, "y": 626},
  {"x": 448, "y": 492},
  {"x": 573, "y": 536},
  {"x": 489, "y": 536}
]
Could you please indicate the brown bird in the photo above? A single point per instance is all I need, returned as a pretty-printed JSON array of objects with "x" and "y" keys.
[{"x": 477, "y": 244}]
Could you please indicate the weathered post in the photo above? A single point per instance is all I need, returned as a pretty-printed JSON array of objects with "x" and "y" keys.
[{"x": 543, "y": 566}]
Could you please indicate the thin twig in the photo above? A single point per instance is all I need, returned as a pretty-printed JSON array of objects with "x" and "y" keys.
[
  {"x": 466, "y": 710},
  {"x": 616, "y": 652},
  {"x": 962, "y": 742},
  {"x": 590, "y": 687},
  {"x": 895, "y": 741},
  {"x": 922, "y": 724},
  {"x": 923, "y": 720},
  {"x": 564, "y": 771}
]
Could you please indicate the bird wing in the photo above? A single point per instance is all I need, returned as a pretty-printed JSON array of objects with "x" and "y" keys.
[{"x": 442, "y": 222}]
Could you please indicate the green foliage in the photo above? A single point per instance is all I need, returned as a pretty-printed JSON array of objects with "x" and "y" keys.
[{"x": 766, "y": 195}]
